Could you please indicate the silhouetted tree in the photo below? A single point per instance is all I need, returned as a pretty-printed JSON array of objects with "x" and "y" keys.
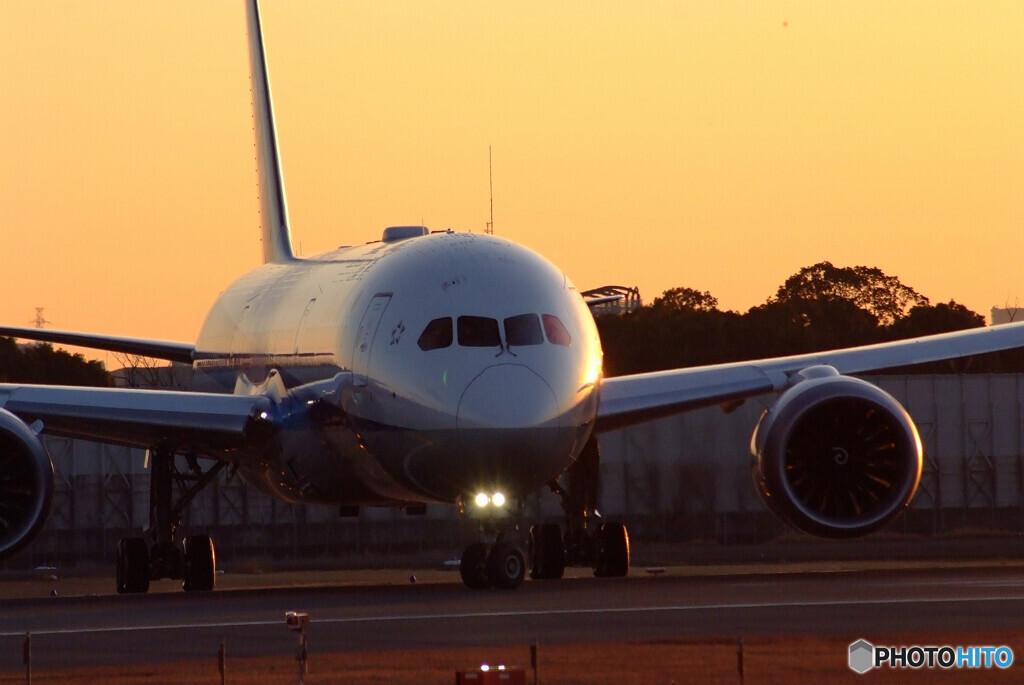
[
  {"x": 686, "y": 299},
  {"x": 869, "y": 288},
  {"x": 683, "y": 327},
  {"x": 138, "y": 371},
  {"x": 940, "y": 318},
  {"x": 796, "y": 326},
  {"x": 819, "y": 308},
  {"x": 42, "y": 364}
]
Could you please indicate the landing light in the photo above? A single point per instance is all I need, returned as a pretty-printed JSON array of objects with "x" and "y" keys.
[{"x": 482, "y": 500}]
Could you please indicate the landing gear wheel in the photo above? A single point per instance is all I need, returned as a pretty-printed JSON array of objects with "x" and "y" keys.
[
  {"x": 200, "y": 564},
  {"x": 506, "y": 566},
  {"x": 473, "y": 567},
  {"x": 612, "y": 551},
  {"x": 132, "y": 566},
  {"x": 548, "y": 552}
]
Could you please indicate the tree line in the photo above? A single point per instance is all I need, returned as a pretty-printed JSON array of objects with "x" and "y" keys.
[
  {"x": 45, "y": 365},
  {"x": 820, "y": 307}
]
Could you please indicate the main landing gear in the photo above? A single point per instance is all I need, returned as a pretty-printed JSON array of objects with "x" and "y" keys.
[
  {"x": 194, "y": 562},
  {"x": 589, "y": 541},
  {"x": 604, "y": 546}
]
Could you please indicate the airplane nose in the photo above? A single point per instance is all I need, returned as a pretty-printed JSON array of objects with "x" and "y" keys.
[
  {"x": 507, "y": 396},
  {"x": 512, "y": 437}
]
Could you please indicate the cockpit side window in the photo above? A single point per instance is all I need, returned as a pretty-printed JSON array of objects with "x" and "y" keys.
[
  {"x": 523, "y": 330},
  {"x": 478, "y": 331},
  {"x": 436, "y": 335},
  {"x": 556, "y": 331}
]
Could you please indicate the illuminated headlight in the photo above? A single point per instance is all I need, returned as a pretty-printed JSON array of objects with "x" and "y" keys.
[{"x": 483, "y": 500}]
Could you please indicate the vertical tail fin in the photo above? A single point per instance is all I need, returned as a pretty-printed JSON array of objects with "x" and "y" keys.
[{"x": 277, "y": 239}]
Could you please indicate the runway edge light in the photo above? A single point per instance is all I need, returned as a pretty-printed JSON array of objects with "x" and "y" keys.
[
  {"x": 296, "y": 620},
  {"x": 487, "y": 675}
]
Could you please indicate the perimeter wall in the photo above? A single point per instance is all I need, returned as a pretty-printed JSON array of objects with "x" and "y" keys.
[{"x": 684, "y": 478}]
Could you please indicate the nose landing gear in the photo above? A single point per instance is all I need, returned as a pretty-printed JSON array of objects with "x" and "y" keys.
[
  {"x": 502, "y": 565},
  {"x": 588, "y": 541}
]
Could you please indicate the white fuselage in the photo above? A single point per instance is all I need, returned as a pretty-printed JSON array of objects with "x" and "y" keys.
[{"x": 463, "y": 362}]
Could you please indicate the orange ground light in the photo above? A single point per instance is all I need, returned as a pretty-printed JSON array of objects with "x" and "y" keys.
[{"x": 767, "y": 661}]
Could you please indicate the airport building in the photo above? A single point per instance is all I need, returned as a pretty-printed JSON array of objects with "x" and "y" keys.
[{"x": 679, "y": 479}]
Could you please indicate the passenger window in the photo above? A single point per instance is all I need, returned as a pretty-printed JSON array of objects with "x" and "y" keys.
[
  {"x": 436, "y": 335},
  {"x": 478, "y": 331},
  {"x": 523, "y": 330},
  {"x": 556, "y": 331}
]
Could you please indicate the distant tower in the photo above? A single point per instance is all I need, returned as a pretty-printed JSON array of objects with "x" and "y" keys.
[
  {"x": 40, "y": 320},
  {"x": 490, "y": 179},
  {"x": 1007, "y": 314}
]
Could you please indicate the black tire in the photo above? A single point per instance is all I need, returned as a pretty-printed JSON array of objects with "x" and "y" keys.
[
  {"x": 473, "y": 567},
  {"x": 612, "y": 551},
  {"x": 200, "y": 564},
  {"x": 132, "y": 566},
  {"x": 506, "y": 566},
  {"x": 536, "y": 552},
  {"x": 548, "y": 552}
]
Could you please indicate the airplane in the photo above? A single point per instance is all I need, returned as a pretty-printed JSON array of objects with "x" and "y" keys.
[{"x": 442, "y": 367}]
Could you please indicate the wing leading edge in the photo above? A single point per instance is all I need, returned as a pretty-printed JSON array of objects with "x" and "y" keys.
[
  {"x": 157, "y": 349},
  {"x": 206, "y": 423},
  {"x": 626, "y": 400}
]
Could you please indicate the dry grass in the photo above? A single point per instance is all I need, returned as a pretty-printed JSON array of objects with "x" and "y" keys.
[{"x": 767, "y": 661}]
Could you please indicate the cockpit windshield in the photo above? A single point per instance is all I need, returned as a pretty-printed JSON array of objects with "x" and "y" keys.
[
  {"x": 436, "y": 335},
  {"x": 523, "y": 330},
  {"x": 556, "y": 331},
  {"x": 478, "y": 331},
  {"x": 481, "y": 331}
]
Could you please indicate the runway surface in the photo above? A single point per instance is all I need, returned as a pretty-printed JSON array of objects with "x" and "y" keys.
[{"x": 440, "y": 613}]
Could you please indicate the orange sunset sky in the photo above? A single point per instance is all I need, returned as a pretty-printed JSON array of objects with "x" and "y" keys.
[{"x": 716, "y": 145}]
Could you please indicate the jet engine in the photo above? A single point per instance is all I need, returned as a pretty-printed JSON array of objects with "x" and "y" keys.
[
  {"x": 26, "y": 484},
  {"x": 836, "y": 456}
]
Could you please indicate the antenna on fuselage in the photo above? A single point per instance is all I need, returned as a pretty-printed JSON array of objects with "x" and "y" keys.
[
  {"x": 276, "y": 234},
  {"x": 490, "y": 179}
]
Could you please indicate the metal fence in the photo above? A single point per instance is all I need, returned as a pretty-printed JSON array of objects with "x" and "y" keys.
[{"x": 677, "y": 479}]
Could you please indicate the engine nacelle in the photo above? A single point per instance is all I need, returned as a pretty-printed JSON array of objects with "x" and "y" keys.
[
  {"x": 26, "y": 484},
  {"x": 836, "y": 456}
]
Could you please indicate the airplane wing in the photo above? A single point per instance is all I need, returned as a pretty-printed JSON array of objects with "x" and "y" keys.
[
  {"x": 206, "y": 423},
  {"x": 157, "y": 349},
  {"x": 626, "y": 400}
]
